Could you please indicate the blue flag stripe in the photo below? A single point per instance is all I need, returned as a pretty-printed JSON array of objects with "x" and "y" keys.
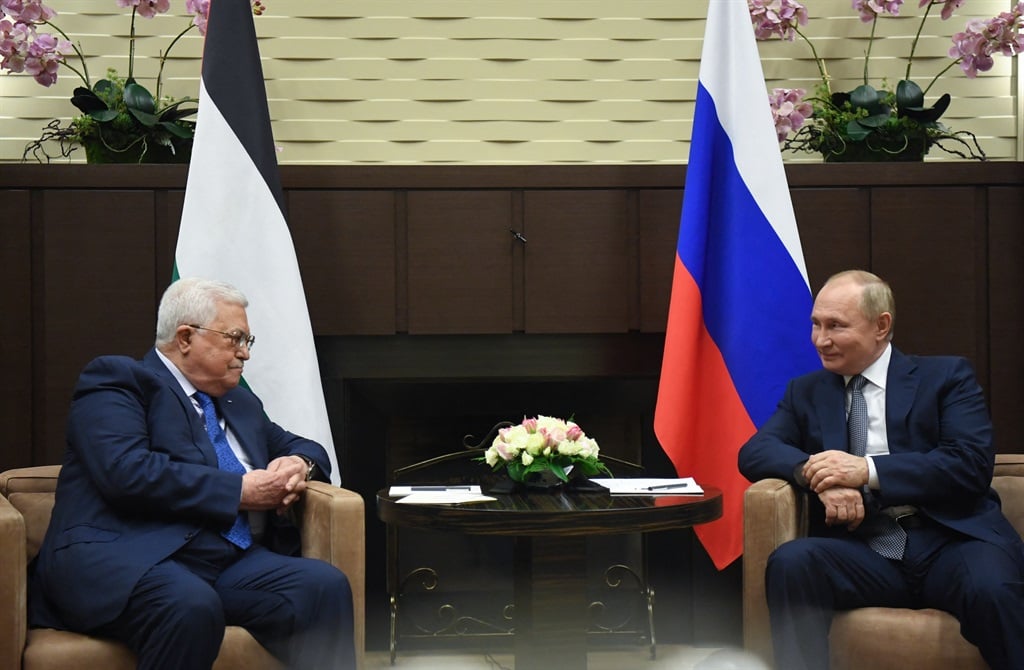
[{"x": 745, "y": 274}]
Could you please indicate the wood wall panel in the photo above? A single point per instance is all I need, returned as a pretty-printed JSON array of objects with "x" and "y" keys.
[
  {"x": 16, "y": 327},
  {"x": 658, "y": 222},
  {"x": 835, "y": 232},
  {"x": 577, "y": 261},
  {"x": 345, "y": 244},
  {"x": 97, "y": 298},
  {"x": 460, "y": 262},
  {"x": 1006, "y": 316},
  {"x": 420, "y": 249},
  {"x": 925, "y": 242}
]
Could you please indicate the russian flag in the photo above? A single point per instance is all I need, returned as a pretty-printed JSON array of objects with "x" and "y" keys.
[
  {"x": 739, "y": 318},
  {"x": 233, "y": 225}
]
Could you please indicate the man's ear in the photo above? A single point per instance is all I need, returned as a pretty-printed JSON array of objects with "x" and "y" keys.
[
  {"x": 183, "y": 339},
  {"x": 884, "y": 325}
]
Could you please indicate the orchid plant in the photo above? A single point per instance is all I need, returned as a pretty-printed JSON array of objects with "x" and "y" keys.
[
  {"x": 880, "y": 124},
  {"x": 119, "y": 115},
  {"x": 544, "y": 444}
]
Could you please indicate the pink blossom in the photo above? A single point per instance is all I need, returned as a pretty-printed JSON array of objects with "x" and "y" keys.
[
  {"x": 574, "y": 433},
  {"x": 980, "y": 40},
  {"x": 147, "y": 8},
  {"x": 44, "y": 57},
  {"x": 530, "y": 425},
  {"x": 776, "y": 17},
  {"x": 27, "y": 11},
  {"x": 948, "y": 6},
  {"x": 789, "y": 110},
  {"x": 869, "y": 9}
]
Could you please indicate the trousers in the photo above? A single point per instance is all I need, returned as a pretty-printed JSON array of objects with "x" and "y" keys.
[
  {"x": 808, "y": 579},
  {"x": 299, "y": 609}
]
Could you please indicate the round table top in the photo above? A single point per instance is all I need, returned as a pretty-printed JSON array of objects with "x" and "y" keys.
[{"x": 556, "y": 513}]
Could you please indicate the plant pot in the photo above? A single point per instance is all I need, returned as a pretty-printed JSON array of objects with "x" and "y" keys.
[
  {"x": 545, "y": 480},
  {"x": 96, "y": 152},
  {"x": 903, "y": 150}
]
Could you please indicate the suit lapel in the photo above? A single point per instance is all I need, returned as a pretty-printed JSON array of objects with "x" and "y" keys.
[
  {"x": 200, "y": 439},
  {"x": 831, "y": 404},
  {"x": 901, "y": 388}
]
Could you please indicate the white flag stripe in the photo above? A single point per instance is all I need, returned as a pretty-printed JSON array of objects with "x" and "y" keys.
[
  {"x": 232, "y": 230},
  {"x": 748, "y": 123}
]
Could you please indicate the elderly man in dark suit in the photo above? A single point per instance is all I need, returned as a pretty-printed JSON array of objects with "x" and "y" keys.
[
  {"x": 898, "y": 450},
  {"x": 165, "y": 504}
]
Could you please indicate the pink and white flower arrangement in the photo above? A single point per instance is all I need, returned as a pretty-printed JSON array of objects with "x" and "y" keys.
[
  {"x": 878, "y": 116},
  {"x": 544, "y": 444}
]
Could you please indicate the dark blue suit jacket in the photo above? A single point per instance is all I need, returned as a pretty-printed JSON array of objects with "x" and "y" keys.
[
  {"x": 139, "y": 480},
  {"x": 940, "y": 442}
]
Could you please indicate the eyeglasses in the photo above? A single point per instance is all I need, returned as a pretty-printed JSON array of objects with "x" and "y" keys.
[{"x": 238, "y": 338}]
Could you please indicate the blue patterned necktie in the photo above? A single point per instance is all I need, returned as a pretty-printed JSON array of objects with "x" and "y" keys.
[
  {"x": 884, "y": 534},
  {"x": 239, "y": 533}
]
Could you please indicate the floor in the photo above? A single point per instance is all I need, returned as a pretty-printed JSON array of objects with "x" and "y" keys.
[{"x": 674, "y": 657}]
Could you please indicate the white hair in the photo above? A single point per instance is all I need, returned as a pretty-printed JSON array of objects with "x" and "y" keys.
[{"x": 192, "y": 300}]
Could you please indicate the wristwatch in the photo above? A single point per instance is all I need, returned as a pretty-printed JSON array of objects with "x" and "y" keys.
[{"x": 310, "y": 466}]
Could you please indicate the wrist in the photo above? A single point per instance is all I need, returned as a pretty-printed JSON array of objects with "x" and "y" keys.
[{"x": 309, "y": 464}]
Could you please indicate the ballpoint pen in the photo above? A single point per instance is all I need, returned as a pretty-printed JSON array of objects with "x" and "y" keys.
[
  {"x": 661, "y": 487},
  {"x": 440, "y": 488}
]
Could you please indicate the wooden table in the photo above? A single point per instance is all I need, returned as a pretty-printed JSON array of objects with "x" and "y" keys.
[{"x": 550, "y": 531}]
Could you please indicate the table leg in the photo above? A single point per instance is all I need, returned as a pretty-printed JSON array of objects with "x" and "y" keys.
[{"x": 550, "y": 603}]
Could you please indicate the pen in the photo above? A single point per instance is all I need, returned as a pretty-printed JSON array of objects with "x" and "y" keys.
[
  {"x": 662, "y": 487},
  {"x": 439, "y": 488}
]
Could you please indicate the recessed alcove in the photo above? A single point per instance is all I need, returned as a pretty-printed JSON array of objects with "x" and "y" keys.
[{"x": 398, "y": 400}]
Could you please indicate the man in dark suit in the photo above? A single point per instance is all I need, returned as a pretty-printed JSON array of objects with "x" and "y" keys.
[
  {"x": 910, "y": 520},
  {"x": 165, "y": 504}
]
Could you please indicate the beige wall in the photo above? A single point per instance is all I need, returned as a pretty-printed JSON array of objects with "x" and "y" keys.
[{"x": 505, "y": 81}]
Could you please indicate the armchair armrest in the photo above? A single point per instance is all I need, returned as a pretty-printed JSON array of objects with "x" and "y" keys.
[
  {"x": 333, "y": 527},
  {"x": 13, "y": 585},
  {"x": 773, "y": 512}
]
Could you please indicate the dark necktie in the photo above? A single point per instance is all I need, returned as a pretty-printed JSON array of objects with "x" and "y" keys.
[
  {"x": 884, "y": 534},
  {"x": 239, "y": 533}
]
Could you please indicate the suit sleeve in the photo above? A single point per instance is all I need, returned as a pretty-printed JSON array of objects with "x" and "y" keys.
[
  {"x": 941, "y": 453},
  {"x": 779, "y": 445},
  {"x": 136, "y": 446}
]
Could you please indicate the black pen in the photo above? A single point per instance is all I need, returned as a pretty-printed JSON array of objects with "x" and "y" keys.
[
  {"x": 440, "y": 488},
  {"x": 661, "y": 487}
]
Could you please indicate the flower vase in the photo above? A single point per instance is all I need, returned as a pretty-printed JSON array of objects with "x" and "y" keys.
[
  {"x": 545, "y": 480},
  {"x": 96, "y": 152},
  {"x": 907, "y": 150}
]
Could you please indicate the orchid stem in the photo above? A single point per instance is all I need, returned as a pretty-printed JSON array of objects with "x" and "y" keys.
[
  {"x": 817, "y": 60},
  {"x": 163, "y": 59},
  {"x": 913, "y": 45},
  {"x": 867, "y": 54},
  {"x": 84, "y": 73}
]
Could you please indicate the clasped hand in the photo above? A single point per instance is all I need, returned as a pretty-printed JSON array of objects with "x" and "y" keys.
[
  {"x": 279, "y": 486},
  {"x": 837, "y": 477}
]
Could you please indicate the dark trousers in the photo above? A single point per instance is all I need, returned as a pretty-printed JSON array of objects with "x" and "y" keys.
[
  {"x": 300, "y": 609},
  {"x": 808, "y": 579}
]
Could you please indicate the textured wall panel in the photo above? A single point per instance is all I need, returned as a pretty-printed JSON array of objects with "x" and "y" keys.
[{"x": 503, "y": 82}]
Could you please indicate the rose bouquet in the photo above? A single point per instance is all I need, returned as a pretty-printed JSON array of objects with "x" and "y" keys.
[
  {"x": 882, "y": 123},
  {"x": 541, "y": 445}
]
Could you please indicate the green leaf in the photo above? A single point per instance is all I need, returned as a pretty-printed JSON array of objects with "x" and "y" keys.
[
  {"x": 146, "y": 119},
  {"x": 104, "y": 115},
  {"x": 87, "y": 101},
  {"x": 866, "y": 97},
  {"x": 176, "y": 130},
  {"x": 855, "y": 131},
  {"x": 909, "y": 95},
  {"x": 137, "y": 98}
]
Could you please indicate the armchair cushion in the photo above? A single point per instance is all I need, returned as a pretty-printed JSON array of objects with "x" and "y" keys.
[
  {"x": 875, "y": 637},
  {"x": 332, "y": 522}
]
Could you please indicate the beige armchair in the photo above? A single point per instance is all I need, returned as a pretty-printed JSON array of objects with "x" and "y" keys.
[
  {"x": 332, "y": 523},
  {"x": 879, "y": 638}
]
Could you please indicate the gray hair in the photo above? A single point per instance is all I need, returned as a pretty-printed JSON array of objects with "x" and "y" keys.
[
  {"x": 192, "y": 300},
  {"x": 876, "y": 295}
]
